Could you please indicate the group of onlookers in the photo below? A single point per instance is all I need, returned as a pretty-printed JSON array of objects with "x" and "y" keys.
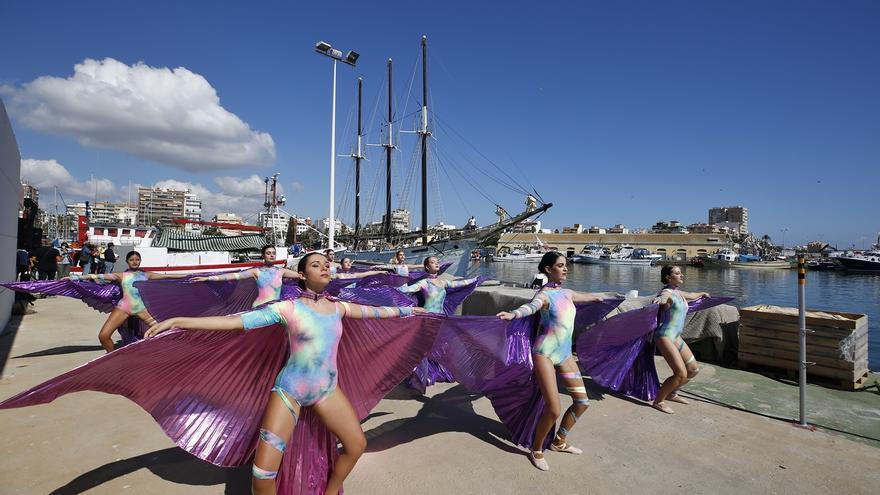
[{"x": 54, "y": 261}]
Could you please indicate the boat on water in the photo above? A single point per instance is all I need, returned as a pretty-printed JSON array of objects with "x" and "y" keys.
[
  {"x": 588, "y": 254},
  {"x": 624, "y": 255},
  {"x": 519, "y": 256},
  {"x": 455, "y": 246},
  {"x": 866, "y": 261},
  {"x": 727, "y": 258}
]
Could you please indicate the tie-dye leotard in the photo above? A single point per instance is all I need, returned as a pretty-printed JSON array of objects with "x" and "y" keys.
[
  {"x": 309, "y": 375},
  {"x": 433, "y": 294},
  {"x": 673, "y": 318},
  {"x": 557, "y": 324},
  {"x": 401, "y": 269},
  {"x": 269, "y": 279},
  {"x": 131, "y": 301}
]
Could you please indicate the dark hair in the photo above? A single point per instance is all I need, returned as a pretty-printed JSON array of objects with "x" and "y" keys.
[
  {"x": 301, "y": 266},
  {"x": 328, "y": 250},
  {"x": 425, "y": 263},
  {"x": 346, "y": 258},
  {"x": 665, "y": 272},
  {"x": 265, "y": 248},
  {"x": 133, "y": 253},
  {"x": 549, "y": 259},
  {"x": 400, "y": 251}
]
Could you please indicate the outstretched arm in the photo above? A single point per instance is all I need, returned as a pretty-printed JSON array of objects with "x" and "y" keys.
[
  {"x": 226, "y": 276},
  {"x": 454, "y": 284},
  {"x": 346, "y": 276},
  {"x": 288, "y": 273},
  {"x": 527, "y": 309},
  {"x": 585, "y": 297},
  {"x": 161, "y": 276},
  {"x": 693, "y": 296},
  {"x": 413, "y": 288},
  {"x": 664, "y": 299},
  {"x": 362, "y": 312},
  {"x": 227, "y": 323},
  {"x": 101, "y": 278}
]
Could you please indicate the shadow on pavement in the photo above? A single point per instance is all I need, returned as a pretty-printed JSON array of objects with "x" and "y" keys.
[
  {"x": 172, "y": 464},
  {"x": 451, "y": 410},
  {"x": 7, "y": 337},
  {"x": 66, "y": 349}
]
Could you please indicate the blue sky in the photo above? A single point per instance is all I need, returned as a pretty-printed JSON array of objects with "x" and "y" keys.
[{"x": 616, "y": 112}]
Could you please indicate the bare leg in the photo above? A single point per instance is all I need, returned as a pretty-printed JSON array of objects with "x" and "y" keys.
[
  {"x": 576, "y": 388},
  {"x": 679, "y": 372},
  {"x": 279, "y": 421},
  {"x": 115, "y": 320},
  {"x": 546, "y": 375},
  {"x": 337, "y": 414}
]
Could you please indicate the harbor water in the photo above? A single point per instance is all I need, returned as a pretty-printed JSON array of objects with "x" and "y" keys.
[{"x": 831, "y": 291}]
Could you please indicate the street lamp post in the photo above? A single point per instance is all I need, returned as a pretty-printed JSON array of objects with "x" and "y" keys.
[
  {"x": 783, "y": 238},
  {"x": 350, "y": 58}
]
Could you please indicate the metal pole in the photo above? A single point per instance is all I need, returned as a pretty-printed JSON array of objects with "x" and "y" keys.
[
  {"x": 424, "y": 140},
  {"x": 802, "y": 339},
  {"x": 332, "y": 229}
]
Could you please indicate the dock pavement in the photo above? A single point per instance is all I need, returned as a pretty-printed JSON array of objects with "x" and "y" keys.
[{"x": 449, "y": 441}]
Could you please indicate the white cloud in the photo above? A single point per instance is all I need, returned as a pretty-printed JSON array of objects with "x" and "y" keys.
[
  {"x": 297, "y": 186},
  {"x": 171, "y": 116},
  {"x": 46, "y": 174}
]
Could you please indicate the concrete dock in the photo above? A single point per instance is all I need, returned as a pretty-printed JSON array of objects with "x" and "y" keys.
[{"x": 449, "y": 441}]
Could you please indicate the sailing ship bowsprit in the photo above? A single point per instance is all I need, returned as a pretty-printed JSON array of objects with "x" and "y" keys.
[{"x": 453, "y": 246}]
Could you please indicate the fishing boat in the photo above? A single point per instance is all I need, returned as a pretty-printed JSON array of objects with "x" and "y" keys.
[
  {"x": 727, "y": 258},
  {"x": 453, "y": 246},
  {"x": 624, "y": 255}
]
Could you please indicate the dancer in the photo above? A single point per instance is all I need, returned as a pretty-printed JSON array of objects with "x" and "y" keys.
[
  {"x": 131, "y": 303},
  {"x": 308, "y": 380},
  {"x": 268, "y": 277},
  {"x": 433, "y": 289},
  {"x": 552, "y": 349},
  {"x": 400, "y": 265},
  {"x": 674, "y": 307}
]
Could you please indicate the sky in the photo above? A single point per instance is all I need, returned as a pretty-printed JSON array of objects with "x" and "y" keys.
[{"x": 616, "y": 112}]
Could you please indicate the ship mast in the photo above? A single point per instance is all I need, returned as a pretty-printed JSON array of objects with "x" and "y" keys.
[
  {"x": 358, "y": 156},
  {"x": 389, "y": 146},
  {"x": 425, "y": 135}
]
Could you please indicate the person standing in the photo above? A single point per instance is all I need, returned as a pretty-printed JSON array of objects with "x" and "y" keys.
[
  {"x": 109, "y": 258},
  {"x": 48, "y": 263},
  {"x": 85, "y": 258},
  {"x": 64, "y": 264},
  {"x": 22, "y": 262}
]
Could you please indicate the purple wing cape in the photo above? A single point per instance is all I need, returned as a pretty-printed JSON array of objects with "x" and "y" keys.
[
  {"x": 102, "y": 297},
  {"x": 212, "y": 408},
  {"x": 428, "y": 372},
  {"x": 494, "y": 357},
  {"x": 618, "y": 353}
]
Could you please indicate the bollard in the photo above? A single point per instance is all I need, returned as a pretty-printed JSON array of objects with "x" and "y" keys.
[{"x": 802, "y": 339}]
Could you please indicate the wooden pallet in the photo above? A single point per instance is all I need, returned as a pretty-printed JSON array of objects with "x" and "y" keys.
[{"x": 771, "y": 340}]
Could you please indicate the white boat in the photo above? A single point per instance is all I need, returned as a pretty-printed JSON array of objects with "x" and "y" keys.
[
  {"x": 519, "y": 256},
  {"x": 867, "y": 261},
  {"x": 624, "y": 255},
  {"x": 588, "y": 254},
  {"x": 727, "y": 258}
]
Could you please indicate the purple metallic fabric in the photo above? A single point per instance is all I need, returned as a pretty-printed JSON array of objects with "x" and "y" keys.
[
  {"x": 494, "y": 357},
  {"x": 212, "y": 408},
  {"x": 102, "y": 297},
  {"x": 618, "y": 353}
]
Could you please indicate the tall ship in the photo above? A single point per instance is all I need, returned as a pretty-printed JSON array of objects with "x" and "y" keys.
[{"x": 380, "y": 243}]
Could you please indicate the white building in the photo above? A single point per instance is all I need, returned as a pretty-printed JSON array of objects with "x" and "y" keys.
[
  {"x": 325, "y": 224},
  {"x": 276, "y": 222}
]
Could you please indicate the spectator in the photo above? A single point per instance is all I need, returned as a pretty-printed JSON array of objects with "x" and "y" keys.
[
  {"x": 85, "y": 259},
  {"x": 48, "y": 263},
  {"x": 64, "y": 264},
  {"x": 21, "y": 262},
  {"x": 109, "y": 258}
]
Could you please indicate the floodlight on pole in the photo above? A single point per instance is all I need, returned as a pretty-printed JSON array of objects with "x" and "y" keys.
[{"x": 350, "y": 58}]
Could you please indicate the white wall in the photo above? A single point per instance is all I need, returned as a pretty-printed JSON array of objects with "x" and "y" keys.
[{"x": 10, "y": 187}]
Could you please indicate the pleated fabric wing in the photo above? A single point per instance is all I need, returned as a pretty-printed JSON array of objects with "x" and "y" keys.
[
  {"x": 102, "y": 297},
  {"x": 208, "y": 390},
  {"x": 618, "y": 353},
  {"x": 170, "y": 298}
]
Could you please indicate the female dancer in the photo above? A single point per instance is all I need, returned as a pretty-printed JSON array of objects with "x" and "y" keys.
[
  {"x": 433, "y": 289},
  {"x": 553, "y": 349},
  {"x": 268, "y": 277},
  {"x": 314, "y": 326},
  {"x": 131, "y": 303},
  {"x": 674, "y": 308},
  {"x": 400, "y": 265}
]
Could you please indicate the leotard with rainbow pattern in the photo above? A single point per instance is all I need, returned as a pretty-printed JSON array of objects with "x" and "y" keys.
[
  {"x": 673, "y": 318},
  {"x": 309, "y": 375},
  {"x": 557, "y": 324},
  {"x": 131, "y": 301},
  {"x": 269, "y": 280},
  {"x": 433, "y": 294}
]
